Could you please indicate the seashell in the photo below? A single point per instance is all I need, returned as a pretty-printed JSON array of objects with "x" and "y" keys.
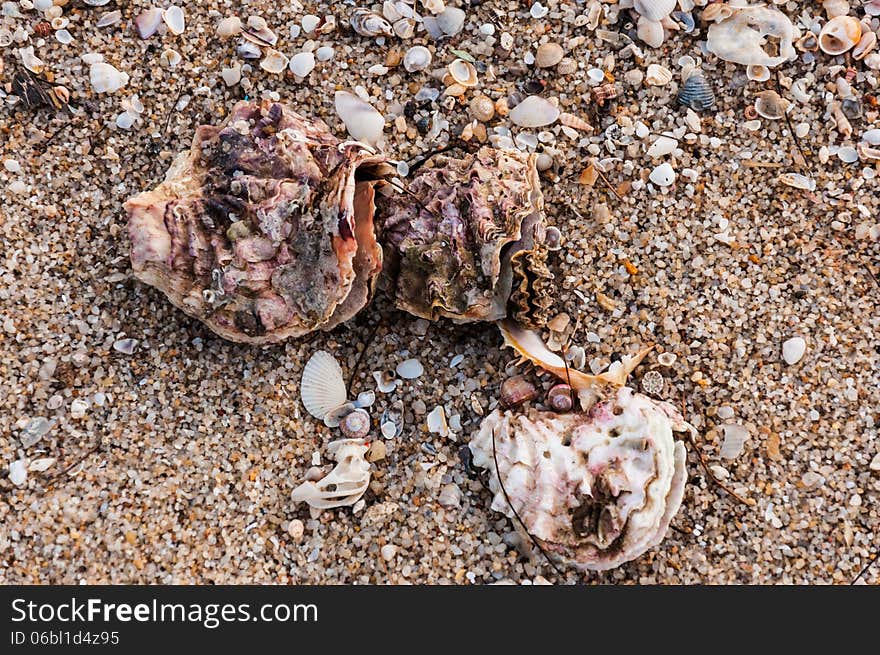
[
  {"x": 588, "y": 466},
  {"x": 345, "y": 484},
  {"x": 30, "y": 61},
  {"x": 865, "y": 45},
  {"x": 231, "y": 76},
  {"x": 60, "y": 23},
  {"x": 174, "y": 19},
  {"x": 654, "y": 10},
  {"x": 386, "y": 381},
  {"x": 872, "y": 7},
  {"x": 391, "y": 423},
  {"x": 650, "y": 32},
  {"x": 109, "y": 18},
  {"x": 872, "y": 137},
  {"x": 322, "y": 388},
  {"x": 450, "y": 21},
  {"x": 575, "y": 122},
  {"x": 253, "y": 284},
  {"x": 170, "y": 58},
  {"x": 717, "y": 12},
  {"x": 310, "y": 23},
  {"x": 841, "y": 123},
  {"x": 274, "y": 62},
  {"x": 482, "y": 108},
  {"x": 257, "y": 31},
  {"x": 434, "y": 6},
  {"x": 835, "y": 8},
  {"x": 757, "y": 73},
  {"x": 302, "y": 63},
  {"x": 534, "y": 111},
  {"x": 147, "y": 22},
  {"x": 463, "y": 72},
  {"x": 840, "y": 35},
  {"x": 770, "y": 105},
  {"x": 662, "y": 146},
  {"x": 324, "y": 53},
  {"x": 809, "y": 42},
  {"x": 436, "y": 421},
  {"x": 410, "y": 369},
  {"x": 417, "y": 58},
  {"x": 356, "y": 424},
  {"x": 697, "y": 93},
  {"x": 125, "y": 120},
  {"x": 361, "y": 120},
  {"x": 848, "y": 155},
  {"x": 741, "y": 37},
  {"x": 517, "y": 390},
  {"x": 663, "y": 175},
  {"x": 798, "y": 181},
  {"x": 368, "y": 23},
  {"x": 560, "y": 398},
  {"x": 105, "y": 78},
  {"x": 658, "y": 75},
  {"x": 6, "y": 37},
  {"x": 248, "y": 50},
  {"x": 686, "y": 20},
  {"x": 229, "y": 27},
  {"x": 404, "y": 28},
  {"x": 548, "y": 55}
]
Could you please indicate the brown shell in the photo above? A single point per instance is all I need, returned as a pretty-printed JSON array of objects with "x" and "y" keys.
[
  {"x": 256, "y": 230},
  {"x": 465, "y": 234}
]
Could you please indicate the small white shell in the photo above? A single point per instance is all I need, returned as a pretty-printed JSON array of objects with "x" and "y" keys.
[
  {"x": 361, "y": 119},
  {"x": 770, "y": 105},
  {"x": 840, "y": 35},
  {"x": 410, "y": 369},
  {"x": 663, "y": 175},
  {"x": 147, "y": 22},
  {"x": 651, "y": 32},
  {"x": 757, "y": 73},
  {"x": 451, "y": 20},
  {"x": 170, "y": 58},
  {"x": 229, "y": 26},
  {"x": 548, "y": 54},
  {"x": 798, "y": 181},
  {"x": 385, "y": 381},
  {"x": 417, "y": 58},
  {"x": 655, "y": 10},
  {"x": 534, "y": 111},
  {"x": 302, "y": 63},
  {"x": 274, "y": 61},
  {"x": 405, "y": 28},
  {"x": 105, "y": 78},
  {"x": 368, "y": 23},
  {"x": 658, "y": 75},
  {"x": 30, "y": 61},
  {"x": 436, "y": 421},
  {"x": 463, "y": 72},
  {"x": 174, "y": 19},
  {"x": 664, "y": 145},
  {"x": 740, "y": 34},
  {"x": 865, "y": 45},
  {"x": 872, "y": 137},
  {"x": 322, "y": 388}
]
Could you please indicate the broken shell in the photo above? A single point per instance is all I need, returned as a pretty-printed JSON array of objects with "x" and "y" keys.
[
  {"x": 30, "y": 61},
  {"x": 174, "y": 19},
  {"x": 840, "y": 35},
  {"x": 463, "y": 72},
  {"x": 742, "y": 36},
  {"x": 835, "y": 8},
  {"x": 356, "y": 424},
  {"x": 170, "y": 58},
  {"x": 534, "y": 111},
  {"x": 369, "y": 23},
  {"x": 595, "y": 489},
  {"x": 548, "y": 55},
  {"x": 410, "y": 369},
  {"x": 147, "y": 22},
  {"x": 322, "y": 387},
  {"x": 717, "y": 12},
  {"x": 345, "y": 484},
  {"x": 391, "y": 423},
  {"x": 386, "y": 381},
  {"x": 658, "y": 75},
  {"x": 436, "y": 421},
  {"x": 361, "y": 119},
  {"x": 655, "y": 10},
  {"x": 770, "y": 105},
  {"x": 865, "y": 45},
  {"x": 274, "y": 61},
  {"x": 257, "y": 31},
  {"x": 663, "y": 175},
  {"x": 757, "y": 73},
  {"x": 302, "y": 63},
  {"x": 228, "y": 233},
  {"x": 697, "y": 93},
  {"x": 798, "y": 181},
  {"x": 229, "y": 26},
  {"x": 248, "y": 50},
  {"x": 650, "y": 32},
  {"x": 105, "y": 78},
  {"x": 809, "y": 42},
  {"x": 404, "y": 28},
  {"x": 517, "y": 390},
  {"x": 417, "y": 58},
  {"x": 560, "y": 398},
  {"x": 482, "y": 108}
]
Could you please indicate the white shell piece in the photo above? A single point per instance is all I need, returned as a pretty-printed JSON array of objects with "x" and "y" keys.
[
  {"x": 345, "y": 484},
  {"x": 105, "y": 78},
  {"x": 174, "y": 19},
  {"x": 655, "y": 10},
  {"x": 741, "y": 37},
  {"x": 322, "y": 388},
  {"x": 596, "y": 488},
  {"x": 534, "y": 111},
  {"x": 361, "y": 119},
  {"x": 410, "y": 369}
]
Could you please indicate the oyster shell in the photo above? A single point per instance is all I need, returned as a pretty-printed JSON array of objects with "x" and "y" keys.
[
  {"x": 262, "y": 230},
  {"x": 467, "y": 236},
  {"x": 368, "y": 23},
  {"x": 595, "y": 489},
  {"x": 742, "y": 36}
]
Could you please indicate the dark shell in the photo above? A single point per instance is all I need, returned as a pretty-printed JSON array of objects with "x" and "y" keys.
[
  {"x": 258, "y": 230},
  {"x": 697, "y": 94},
  {"x": 466, "y": 235}
]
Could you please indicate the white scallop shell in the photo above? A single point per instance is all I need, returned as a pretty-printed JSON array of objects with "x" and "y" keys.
[
  {"x": 658, "y": 75},
  {"x": 361, "y": 119},
  {"x": 757, "y": 73},
  {"x": 322, "y": 388}
]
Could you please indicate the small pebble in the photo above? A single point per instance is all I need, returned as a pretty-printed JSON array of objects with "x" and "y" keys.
[
  {"x": 296, "y": 530},
  {"x": 793, "y": 350},
  {"x": 18, "y": 472}
]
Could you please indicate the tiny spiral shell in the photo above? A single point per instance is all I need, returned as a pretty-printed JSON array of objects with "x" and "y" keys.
[
  {"x": 356, "y": 424},
  {"x": 559, "y": 398}
]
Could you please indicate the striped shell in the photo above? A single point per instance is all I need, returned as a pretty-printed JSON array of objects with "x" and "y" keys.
[
  {"x": 322, "y": 388},
  {"x": 697, "y": 94}
]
